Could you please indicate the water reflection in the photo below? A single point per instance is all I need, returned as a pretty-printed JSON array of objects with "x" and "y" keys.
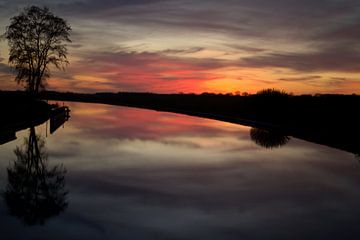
[
  {"x": 140, "y": 174},
  {"x": 59, "y": 116},
  {"x": 267, "y": 138},
  {"x": 35, "y": 191}
]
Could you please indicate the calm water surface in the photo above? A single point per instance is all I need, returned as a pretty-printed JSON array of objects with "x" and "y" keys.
[{"x": 125, "y": 173}]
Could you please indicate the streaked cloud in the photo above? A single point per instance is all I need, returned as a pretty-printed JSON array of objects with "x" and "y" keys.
[
  {"x": 295, "y": 79},
  {"x": 342, "y": 59}
]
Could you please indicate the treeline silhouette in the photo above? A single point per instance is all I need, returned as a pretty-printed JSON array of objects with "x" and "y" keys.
[{"x": 328, "y": 119}]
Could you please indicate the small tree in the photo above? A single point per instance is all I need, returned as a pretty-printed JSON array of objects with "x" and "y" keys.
[
  {"x": 37, "y": 40},
  {"x": 272, "y": 92}
]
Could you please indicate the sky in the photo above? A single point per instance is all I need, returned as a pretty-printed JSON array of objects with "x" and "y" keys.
[{"x": 172, "y": 46}]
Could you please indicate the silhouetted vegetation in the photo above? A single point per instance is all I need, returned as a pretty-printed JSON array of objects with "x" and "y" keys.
[
  {"x": 268, "y": 138},
  {"x": 271, "y": 92},
  {"x": 326, "y": 119},
  {"x": 37, "y": 40},
  {"x": 18, "y": 107},
  {"x": 35, "y": 191},
  {"x": 21, "y": 111}
]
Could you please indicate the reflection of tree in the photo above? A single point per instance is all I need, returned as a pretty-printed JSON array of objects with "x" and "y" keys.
[
  {"x": 35, "y": 191},
  {"x": 268, "y": 139}
]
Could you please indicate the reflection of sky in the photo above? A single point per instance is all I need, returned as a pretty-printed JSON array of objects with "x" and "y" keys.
[
  {"x": 205, "y": 45},
  {"x": 140, "y": 174}
]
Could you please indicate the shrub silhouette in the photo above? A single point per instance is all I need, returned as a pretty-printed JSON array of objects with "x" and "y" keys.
[
  {"x": 272, "y": 92},
  {"x": 268, "y": 139}
]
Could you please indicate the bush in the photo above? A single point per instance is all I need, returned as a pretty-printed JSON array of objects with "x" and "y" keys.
[{"x": 272, "y": 92}]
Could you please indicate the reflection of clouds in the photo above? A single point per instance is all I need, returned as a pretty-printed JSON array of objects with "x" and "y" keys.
[
  {"x": 220, "y": 192},
  {"x": 182, "y": 182},
  {"x": 249, "y": 195},
  {"x": 131, "y": 123}
]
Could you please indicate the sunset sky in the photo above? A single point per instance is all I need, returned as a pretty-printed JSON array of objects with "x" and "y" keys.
[{"x": 171, "y": 46}]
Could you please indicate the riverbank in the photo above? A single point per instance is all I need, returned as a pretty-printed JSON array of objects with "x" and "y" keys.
[
  {"x": 330, "y": 120},
  {"x": 20, "y": 111}
]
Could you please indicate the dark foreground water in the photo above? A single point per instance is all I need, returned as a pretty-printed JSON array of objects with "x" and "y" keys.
[{"x": 124, "y": 173}]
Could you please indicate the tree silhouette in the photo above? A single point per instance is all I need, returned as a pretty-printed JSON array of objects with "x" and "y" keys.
[
  {"x": 34, "y": 192},
  {"x": 37, "y": 40},
  {"x": 272, "y": 92},
  {"x": 268, "y": 139}
]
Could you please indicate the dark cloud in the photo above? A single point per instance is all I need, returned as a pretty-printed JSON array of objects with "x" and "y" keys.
[
  {"x": 155, "y": 60},
  {"x": 93, "y": 5},
  {"x": 326, "y": 24},
  {"x": 338, "y": 81},
  {"x": 75, "y": 45},
  {"x": 339, "y": 78},
  {"x": 246, "y": 49},
  {"x": 287, "y": 19},
  {"x": 300, "y": 79},
  {"x": 343, "y": 59},
  {"x": 319, "y": 81},
  {"x": 183, "y": 51},
  {"x": 347, "y": 32},
  {"x": 260, "y": 18}
]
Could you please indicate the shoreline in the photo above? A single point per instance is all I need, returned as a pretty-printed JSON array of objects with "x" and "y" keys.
[
  {"x": 309, "y": 124},
  {"x": 313, "y": 119}
]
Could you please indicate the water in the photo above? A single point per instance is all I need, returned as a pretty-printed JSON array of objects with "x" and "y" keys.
[{"x": 126, "y": 173}]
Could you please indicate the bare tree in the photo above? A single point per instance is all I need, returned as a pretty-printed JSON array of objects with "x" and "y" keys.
[{"x": 37, "y": 40}]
